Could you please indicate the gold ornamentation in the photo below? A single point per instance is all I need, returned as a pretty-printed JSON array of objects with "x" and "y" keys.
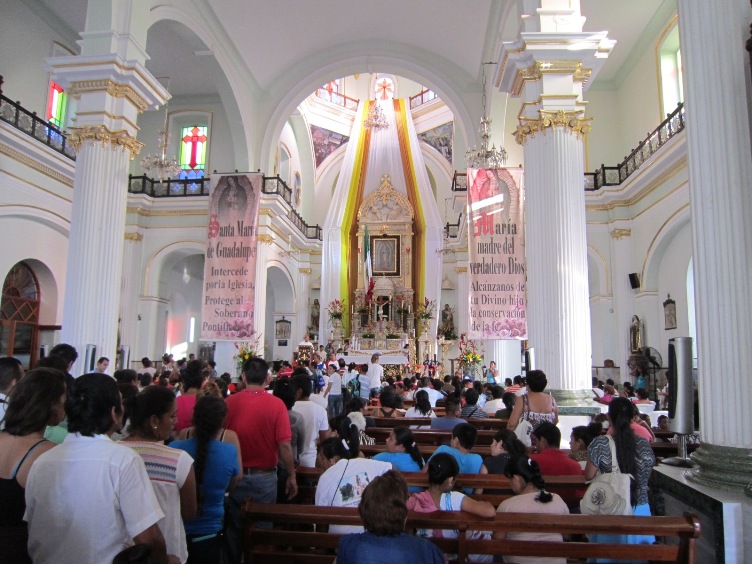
[
  {"x": 460, "y": 269},
  {"x": 33, "y": 163},
  {"x": 100, "y": 133},
  {"x": 386, "y": 204},
  {"x": 305, "y": 270},
  {"x": 536, "y": 71},
  {"x": 163, "y": 213},
  {"x": 265, "y": 239},
  {"x": 112, "y": 88},
  {"x": 620, "y": 233},
  {"x": 573, "y": 121},
  {"x": 134, "y": 237}
]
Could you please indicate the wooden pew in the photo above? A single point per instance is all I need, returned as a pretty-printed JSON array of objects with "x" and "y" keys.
[
  {"x": 428, "y": 437},
  {"x": 479, "y": 423},
  {"x": 262, "y": 545},
  {"x": 426, "y": 450}
]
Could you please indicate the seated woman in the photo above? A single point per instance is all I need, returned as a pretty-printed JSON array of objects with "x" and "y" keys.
[
  {"x": 390, "y": 404},
  {"x": 383, "y": 511},
  {"x": 422, "y": 407},
  {"x": 402, "y": 453},
  {"x": 36, "y": 401},
  {"x": 218, "y": 467},
  {"x": 530, "y": 496},
  {"x": 345, "y": 475},
  {"x": 153, "y": 414},
  {"x": 609, "y": 392},
  {"x": 442, "y": 472},
  {"x": 579, "y": 440},
  {"x": 504, "y": 446}
]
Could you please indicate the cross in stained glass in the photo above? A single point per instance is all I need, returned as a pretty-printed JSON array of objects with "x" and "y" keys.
[
  {"x": 195, "y": 140},
  {"x": 384, "y": 89}
]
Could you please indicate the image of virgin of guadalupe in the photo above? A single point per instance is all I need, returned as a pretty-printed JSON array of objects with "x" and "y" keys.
[
  {"x": 489, "y": 187},
  {"x": 233, "y": 200}
]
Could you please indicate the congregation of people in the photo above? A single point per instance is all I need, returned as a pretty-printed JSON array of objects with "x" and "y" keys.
[{"x": 157, "y": 463}]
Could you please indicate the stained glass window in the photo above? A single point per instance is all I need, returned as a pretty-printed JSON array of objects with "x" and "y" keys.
[
  {"x": 193, "y": 142},
  {"x": 56, "y": 102}
]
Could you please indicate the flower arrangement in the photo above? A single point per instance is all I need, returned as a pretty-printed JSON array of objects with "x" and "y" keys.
[
  {"x": 361, "y": 304},
  {"x": 246, "y": 350},
  {"x": 425, "y": 309},
  {"x": 470, "y": 355},
  {"x": 336, "y": 309},
  {"x": 392, "y": 330},
  {"x": 402, "y": 302}
]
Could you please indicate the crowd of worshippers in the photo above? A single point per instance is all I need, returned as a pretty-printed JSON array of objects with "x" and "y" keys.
[{"x": 154, "y": 466}]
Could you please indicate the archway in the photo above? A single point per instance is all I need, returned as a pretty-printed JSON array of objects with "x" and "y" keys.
[
  {"x": 19, "y": 315},
  {"x": 280, "y": 308}
]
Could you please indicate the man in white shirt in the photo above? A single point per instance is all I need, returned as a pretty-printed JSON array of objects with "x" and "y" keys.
[
  {"x": 102, "y": 365},
  {"x": 375, "y": 375},
  {"x": 495, "y": 404},
  {"x": 433, "y": 395},
  {"x": 314, "y": 418},
  {"x": 11, "y": 371},
  {"x": 89, "y": 498}
]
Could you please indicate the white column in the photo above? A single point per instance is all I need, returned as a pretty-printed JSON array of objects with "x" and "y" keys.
[
  {"x": 303, "y": 306},
  {"x": 463, "y": 291},
  {"x": 716, "y": 73},
  {"x": 259, "y": 306},
  {"x": 623, "y": 295},
  {"x": 129, "y": 292},
  {"x": 556, "y": 243},
  {"x": 151, "y": 327},
  {"x": 507, "y": 355}
]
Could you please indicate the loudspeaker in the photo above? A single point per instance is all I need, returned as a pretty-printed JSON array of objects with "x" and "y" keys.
[
  {"x": 680, "y": 386},
  {"x": 90, "y": 360},
  {"x": 634, "y": 280},
  {"x": 125, "y": 357},
  {"x": 529, "y": 359}
]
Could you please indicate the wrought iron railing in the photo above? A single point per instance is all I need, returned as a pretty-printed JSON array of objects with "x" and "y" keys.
[
  {"x": 337, "y": 98},
  {"x": 421, "y": 98},
  {"x": 615, "y": 175},
  {"x": 452, "y": 230},
  {"x": 31, "y": 124},
  {"x": 459, "y": 181},
  {"x": 272, "y": 185}
]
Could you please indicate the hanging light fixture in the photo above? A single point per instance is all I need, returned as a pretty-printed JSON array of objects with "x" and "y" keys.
[
  {"x": 159, "y": 166},
  {"x": 485, "y": 157},
  {"x": 375, "y": 118}
]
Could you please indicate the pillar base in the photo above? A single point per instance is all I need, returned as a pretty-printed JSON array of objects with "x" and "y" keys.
[
  {"x": 725, "y": 468},
  {"x": 574, "y": 398}
]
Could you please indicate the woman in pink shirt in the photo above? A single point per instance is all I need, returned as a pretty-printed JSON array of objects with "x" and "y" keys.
[{"x": 192, "y": 380}]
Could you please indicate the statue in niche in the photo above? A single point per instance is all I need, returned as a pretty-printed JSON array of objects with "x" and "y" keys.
[
  {"x": 447, "y": 320},
  {"x": 635, "y": 335},
  {"x": 315, "y": 313}
]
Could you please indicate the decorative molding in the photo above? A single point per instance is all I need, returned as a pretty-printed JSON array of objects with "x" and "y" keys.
[
  {"x": 110, "y": 87},
  {"x": 36, "y": 165},
  {"x": 305, "y": 270},
  {"x": 386, "y": 205},
  {"x": 536, "y": 71},
  {"x": 265, "y": 239},
  {"x": 122, "y": 138},
  {"x": 460, "y": 269},
  {"x": 620, "y": 233},
  {"x": 134, "y": 237},
  {"x": 164, "y": 213},
  {"x": 573, "y": 121}
]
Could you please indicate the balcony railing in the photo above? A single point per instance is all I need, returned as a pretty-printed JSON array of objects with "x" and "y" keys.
[
  {"x": 615, "y": 175},
  {"x": 337, "y": 98},
  {"x": 422, "y": 98},
  {"x": 31, "y": 124},
  {"x": 272, "y": 185},
  {"x": 452, "y": 230}
]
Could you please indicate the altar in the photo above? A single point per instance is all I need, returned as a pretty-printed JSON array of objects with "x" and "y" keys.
[{"x": 386, "y": 357}]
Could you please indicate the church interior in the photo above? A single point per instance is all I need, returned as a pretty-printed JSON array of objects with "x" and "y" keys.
[{"x": 630, "y": 121}]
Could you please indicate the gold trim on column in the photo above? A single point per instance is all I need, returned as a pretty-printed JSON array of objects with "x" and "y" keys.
[
  {"x": 265, "y": 239},
  {"x": 620, "y": 233},
  {"x": 121, "y": 138},
  {"x": 305, "y": 270},
  {"x": 134, "y": 237},
  {"x": 112, "y": 88},
  {"x": 573, "y": 122},
  {"x": 460, "y": 269},
  {"x": 536, "y": 71}
]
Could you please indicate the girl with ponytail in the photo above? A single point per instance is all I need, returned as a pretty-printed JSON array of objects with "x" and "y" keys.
[
  {"x": 530, "y": 496},
  {"x": 346, "y": 474},
  {"x": 218, "y": 468},
  {"x": 403, "y": 453}
]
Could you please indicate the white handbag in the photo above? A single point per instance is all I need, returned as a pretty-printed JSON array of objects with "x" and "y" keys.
[{"x": 609, "y": 492}]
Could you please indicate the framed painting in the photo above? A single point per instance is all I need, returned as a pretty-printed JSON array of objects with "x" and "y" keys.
[
  {"x": 283, "y": 329},
  {"x": 385, "y": 255},
  {"x": 669, "y": 313}
]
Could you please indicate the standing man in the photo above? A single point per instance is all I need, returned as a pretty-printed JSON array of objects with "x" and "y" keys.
[
  {"x": 375, "y": 375},
  {"x": 315, "y": 420},
  {"x": 263, "y": 428}
]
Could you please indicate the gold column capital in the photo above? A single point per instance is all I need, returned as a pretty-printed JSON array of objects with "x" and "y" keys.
[
  {"x": 100, "y": 134},
  {"x": 110, "y": 87},
  {"x": 265, "y": 239},
  {"x": 620, "y": 233},
  {"x": 134, "y": 237},
  {"x": 572, "y": 121},
  {"x": 536, "y": 71},
  {"x": 460, "y": 269},
  {"x": 305, "y": 270}
]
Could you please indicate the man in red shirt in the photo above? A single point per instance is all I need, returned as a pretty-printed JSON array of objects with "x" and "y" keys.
[
  {"x": 263, "y": 428},
  {"x": 552, "y": 460}
]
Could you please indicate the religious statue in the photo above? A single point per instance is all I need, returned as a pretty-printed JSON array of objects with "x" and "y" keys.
[
  {"x": 635, "y": 335},
  {"x": 447, "y": 319},
  {"x": 315, "y": 313}
]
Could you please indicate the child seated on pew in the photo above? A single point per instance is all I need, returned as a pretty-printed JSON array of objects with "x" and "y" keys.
[{"x": 464, "y": 437}]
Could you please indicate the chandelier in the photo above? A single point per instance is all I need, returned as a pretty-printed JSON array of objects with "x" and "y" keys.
[
  {"x": 485, "y": 157},
  {"x": 159, "y": 166},
  {"x": 375, "y": 118}
]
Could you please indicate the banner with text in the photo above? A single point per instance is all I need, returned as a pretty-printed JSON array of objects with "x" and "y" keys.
[
  {"x": 230, "y": 265},
  {"x": 496, "y": 234}
]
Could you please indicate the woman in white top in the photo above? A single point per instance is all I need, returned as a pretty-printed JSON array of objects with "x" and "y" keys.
[
  {"x": 153, "y": 414},
  {"x": 422, "y": 408},
  {"x": 346, "y": 475}
]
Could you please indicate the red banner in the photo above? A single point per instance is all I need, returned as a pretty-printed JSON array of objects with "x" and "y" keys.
[
  {"x": 230, "y": 265},
  {"x": 497, "y": 269}
]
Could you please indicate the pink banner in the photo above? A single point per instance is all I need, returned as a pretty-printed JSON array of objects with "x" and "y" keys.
[
  {"x": 230, "y": 265},
  {"x": 496, "y": 235}
]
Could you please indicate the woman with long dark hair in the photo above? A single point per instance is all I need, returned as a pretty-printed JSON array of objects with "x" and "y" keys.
[
  {"x": 217, "y": 468},
  {"x": 402, "y": 452},
  {"x": 153, "y": 414},
  {"x": 530, "y": 496},
  {"x": 191, "y": 380},
  {"x": 634, "y": 456},
  {"x": 504, "y": 446},
  {"x": 422, "y": 407}
]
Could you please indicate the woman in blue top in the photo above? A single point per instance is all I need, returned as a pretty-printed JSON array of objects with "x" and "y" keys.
[
  {"x": 402, "y": 452},
  {"x": 217, "y": 470}
]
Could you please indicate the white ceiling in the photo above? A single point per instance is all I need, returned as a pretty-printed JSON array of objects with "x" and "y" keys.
[{"x": 270, "y": 36}]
